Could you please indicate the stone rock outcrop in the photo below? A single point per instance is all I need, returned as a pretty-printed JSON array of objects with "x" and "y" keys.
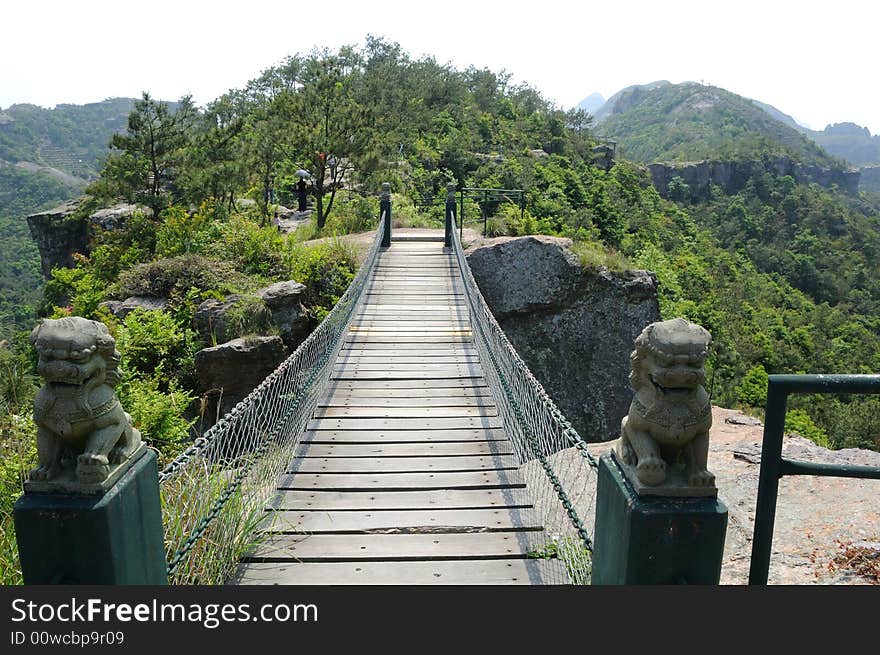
[
  {"x": 573, "y": 327},
  {"x": 122, "y": 308},
  {"x": 211, "y": 319},
  {"x": 59, "y": 234},
  {"x": 228, "y": 372},
  {"x": 284, "y": 300},
  {"x": 732, "y": 176}
]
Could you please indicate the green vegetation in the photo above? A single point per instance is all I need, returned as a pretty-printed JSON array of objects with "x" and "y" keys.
[
  {"x": 784, "y": 275},
  {"x": 691, "y": 122},
  {"x": 47, "y": 156}
]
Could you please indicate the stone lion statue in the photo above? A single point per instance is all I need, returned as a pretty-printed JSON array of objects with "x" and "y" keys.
[
  {"x": 79, "y": 418},
  {"x": 670, "y": 415}
]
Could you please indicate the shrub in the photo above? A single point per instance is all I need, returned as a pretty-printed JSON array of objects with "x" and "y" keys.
[
  {"x": 326, "y": 269},
  {"x": 592, "y": 254},
  {"x": 77, "y": 288},
  {"x": 356, "y": 214},
  {"x": 249, "y": 315},
  {"x": 152, "y": 342},
  {"x": 181, "y": 232},
  {"x": 158, "y": 414},
  {"x": 799, "y": 422},
  {"x": 753, "y": 388},
  {"x": 177, "y": 275},
  {"x": 253, "y": 249},
  {"x": 18, "y": 454}
]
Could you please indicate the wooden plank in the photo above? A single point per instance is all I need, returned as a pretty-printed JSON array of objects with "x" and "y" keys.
[
  {"x": 462, "y": 572},
  {"x": 463, "y": 368},
  {"x": 319, "y": 500},
  {"x": 380, "y": 424},
  {"x": 493, "y": 479},
  {"x": 409, "y": 324},
  {"x": 410, "y": 353},
  {"x": 346, "y": 399},
  {"x": 342, "y": 374},
  {"x": 405, "y": 450},
  {"x": 348, "y": 411},
  {"x": 446, "y": 383},
  {"x": 391, "y": 547},
  {"x": 348, "y": 357},
  {"x": 393, "y": 521},
  {"x": 403, "y": 436},
  {"x": 310, "y": 464},
  {"x": 363, "y": 343},
  {"x": 405, "y": 341},
  {"x": 410, "y": 397}
]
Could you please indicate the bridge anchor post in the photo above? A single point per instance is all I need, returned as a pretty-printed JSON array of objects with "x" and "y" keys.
[
  {"x": 658, "y": 516},
  {"x": 450, "y": 215},
  {"x": 385, "y": 211}
]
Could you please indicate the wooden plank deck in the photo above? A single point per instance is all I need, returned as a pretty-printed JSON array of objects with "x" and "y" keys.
[{"x": 404, "y": 474}]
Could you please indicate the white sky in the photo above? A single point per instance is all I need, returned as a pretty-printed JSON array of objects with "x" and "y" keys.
[{"x": 814, "y": 60}]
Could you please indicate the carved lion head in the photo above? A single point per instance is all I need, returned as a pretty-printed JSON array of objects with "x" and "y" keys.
[
  {"x": 75, "y": 350},
  {"x": 670, "y": 355}
]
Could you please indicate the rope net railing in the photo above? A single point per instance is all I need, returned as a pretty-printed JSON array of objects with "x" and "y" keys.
[
  {"x": 214, "y": 493},
  {"x": 558, "y": 469}
]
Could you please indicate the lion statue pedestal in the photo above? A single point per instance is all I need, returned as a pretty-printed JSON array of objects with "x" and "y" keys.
[
  {"x": 91, "y": 511},
  {"x": 658, "y": 516}
]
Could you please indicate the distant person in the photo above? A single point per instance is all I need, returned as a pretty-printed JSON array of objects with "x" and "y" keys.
[
  {"x": 301, "y": 194},
  {"x": 331, "y": 162}
]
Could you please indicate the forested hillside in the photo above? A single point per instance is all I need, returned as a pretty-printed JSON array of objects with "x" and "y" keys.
[{"x": 47, "y": 156}]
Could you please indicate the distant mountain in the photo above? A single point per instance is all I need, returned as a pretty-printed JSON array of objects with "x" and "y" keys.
[
  {"x": 849, "y": 141},
  {"x": 690, "y": 122},
  {"x": 630, "y": 93},
  {"x": 591, "y": 103},
  {"x": 69, "y": 138}
]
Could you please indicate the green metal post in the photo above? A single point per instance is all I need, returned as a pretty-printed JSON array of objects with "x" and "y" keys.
[
  {"x": 461, "y": 214},
  {"x": 768, "y": 484},
  {"x": 385, "y": 210},
  {"x": 450, "y": 215}
]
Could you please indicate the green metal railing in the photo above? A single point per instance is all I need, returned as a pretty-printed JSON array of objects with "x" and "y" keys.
[{"x": 774, "y": 466}]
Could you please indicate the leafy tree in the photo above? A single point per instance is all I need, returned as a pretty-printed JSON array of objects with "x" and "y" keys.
[
  {"x": 145, "y": 161},
  {"x": 327, "y": 122}
]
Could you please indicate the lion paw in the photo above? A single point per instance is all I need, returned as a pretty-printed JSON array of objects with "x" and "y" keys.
[
  {"x": 44, "y": 473},
  {"x": 702, "y": 479},
  {"x": 91, "y": 468},
  {"x": 651, "y": 470}
]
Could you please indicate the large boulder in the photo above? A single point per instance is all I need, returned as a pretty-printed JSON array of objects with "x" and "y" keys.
[
  {"x": 228, "y": 372},
  {"x": 573, "y": 326},
  {"x": 280, "y": 306},
  {"x": 284, "y": 300},
  {"x": 211, "y": 319},
  {"x": 122, "y": 308}
]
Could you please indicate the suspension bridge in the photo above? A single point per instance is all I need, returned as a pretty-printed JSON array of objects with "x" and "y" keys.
[{"x": 404, "y": 442}]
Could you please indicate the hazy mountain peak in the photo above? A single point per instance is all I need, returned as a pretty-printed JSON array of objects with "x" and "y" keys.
[{"x": 591, "y": 103}]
